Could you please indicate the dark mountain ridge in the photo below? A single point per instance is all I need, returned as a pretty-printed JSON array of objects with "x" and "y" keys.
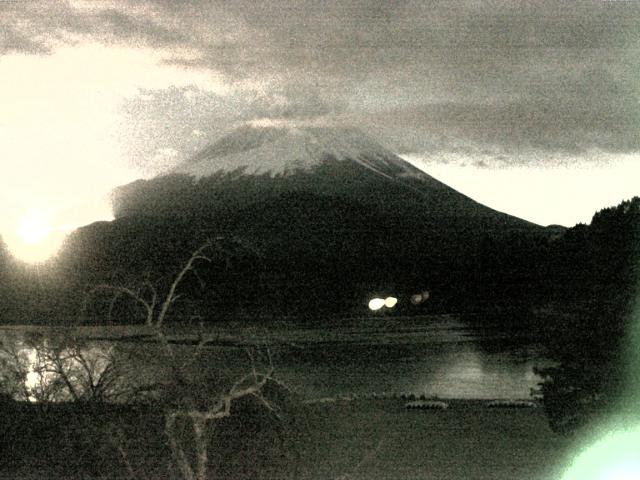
[
  {"x": 252, "y": 165},
  {"x": 330, "y": 215},
  {"x": 310, "y": 221}
]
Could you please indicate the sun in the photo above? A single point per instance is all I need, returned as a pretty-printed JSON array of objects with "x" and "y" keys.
[
  {"x": 34, "y": 228},
  {"x": 34, "y": 239}
]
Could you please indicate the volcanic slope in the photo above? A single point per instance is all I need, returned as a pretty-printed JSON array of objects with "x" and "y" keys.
[
  {"x": 323, "y": 216},
  {"x": 254, "y": 165}
]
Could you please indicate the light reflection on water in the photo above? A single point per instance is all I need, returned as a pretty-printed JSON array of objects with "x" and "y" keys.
[
  {"x": 438, "y": 358},
  {"x": 43, "y": 369},
  {"x": 454, "y": 370}
]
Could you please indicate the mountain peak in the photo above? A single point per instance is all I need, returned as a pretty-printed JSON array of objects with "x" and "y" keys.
[{"x": 284, "y": 148}]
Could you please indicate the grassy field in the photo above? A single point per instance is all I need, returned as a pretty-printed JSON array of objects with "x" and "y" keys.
[
  {"x": 380, "y": 439},
  {"x": 360, "y": 439}
]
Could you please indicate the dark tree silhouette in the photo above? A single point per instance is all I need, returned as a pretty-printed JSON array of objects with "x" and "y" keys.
[{"x": 599, "y": 266}]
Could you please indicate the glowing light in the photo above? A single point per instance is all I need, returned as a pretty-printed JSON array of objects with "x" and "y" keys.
[
  {"x": 64, "y": 140},
  {"x": 32, "y": 380},
  {"x": 34, "y": 239},
  {"x": 34, "y": 227},
  {"x": 376, "y": 304},
  {"x": 615, "y": 457},
  {"x": 418, "y": 298},
  {"x": 43, "y": 379},
  {"x": 390, "y": 302}
]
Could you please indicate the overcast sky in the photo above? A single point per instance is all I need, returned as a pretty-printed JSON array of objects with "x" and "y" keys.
[{"x": 536, "y": 99}]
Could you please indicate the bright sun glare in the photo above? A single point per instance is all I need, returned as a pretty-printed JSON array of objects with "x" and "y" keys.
[
  {"x": 34, "y": 228},
  {"x": 34, "y": 239}
]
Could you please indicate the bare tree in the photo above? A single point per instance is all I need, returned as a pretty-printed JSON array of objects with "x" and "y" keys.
[
  {"x": 146, "y": 295},
  {"x": 14, "y": 369},
  {"x": 199, "y": 415},
  {"x": 83, "y": 372},
  {"x": 68, "y": 367},
  {"x": 65, "y": 367}
]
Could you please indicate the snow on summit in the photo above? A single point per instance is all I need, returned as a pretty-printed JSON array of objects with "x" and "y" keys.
[{"x": 281, "y": 149}]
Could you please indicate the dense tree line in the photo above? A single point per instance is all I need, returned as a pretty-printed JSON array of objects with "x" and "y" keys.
[{"x": 596, "y": 267}]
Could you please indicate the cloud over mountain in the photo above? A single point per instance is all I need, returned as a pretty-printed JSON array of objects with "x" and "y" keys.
[{"x": 545, "y": 75}]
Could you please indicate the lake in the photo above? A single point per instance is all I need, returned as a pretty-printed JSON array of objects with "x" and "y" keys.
[{"x": 436, "y": 355}]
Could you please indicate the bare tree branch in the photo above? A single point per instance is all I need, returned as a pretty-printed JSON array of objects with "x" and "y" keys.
[
  {"x": 112, "y": 304},
  {"x": 170, "y": 298},
  {"x": 199, "y": 417},
  {"x": 181, "y": 458},
  {"x": 201, "y": 441},
  {"x": 148, "y": 306}
]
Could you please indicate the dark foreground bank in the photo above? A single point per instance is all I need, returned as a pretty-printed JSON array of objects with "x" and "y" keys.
[{"x": 359, "y": 439}]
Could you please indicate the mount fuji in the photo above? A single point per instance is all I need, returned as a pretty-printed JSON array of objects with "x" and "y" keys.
[
  {"x": 257, "y": 163},
  {"x": 330, "y": 217},
  {"x": 283, "y": 150}
]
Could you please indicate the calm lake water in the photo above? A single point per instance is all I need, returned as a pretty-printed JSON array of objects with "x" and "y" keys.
[
  {"x": 438, "y": 357},
  {"x": 435, "y": 355}
]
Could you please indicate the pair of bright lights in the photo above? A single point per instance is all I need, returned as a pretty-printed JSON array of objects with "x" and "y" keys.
[{"x": 378, "y": 303}]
